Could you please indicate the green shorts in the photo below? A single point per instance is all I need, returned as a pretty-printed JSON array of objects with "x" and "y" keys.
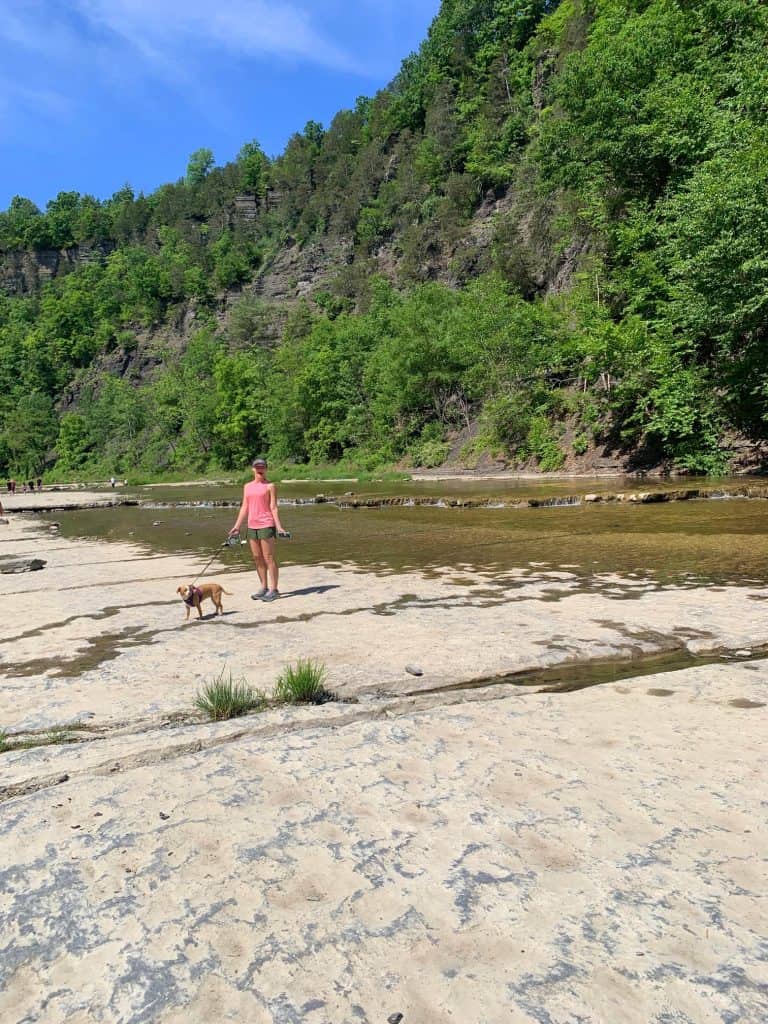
[{"x": 263, "y": 533}]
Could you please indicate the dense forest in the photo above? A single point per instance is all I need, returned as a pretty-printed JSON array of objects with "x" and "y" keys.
[{"x": 547, "y": 237}]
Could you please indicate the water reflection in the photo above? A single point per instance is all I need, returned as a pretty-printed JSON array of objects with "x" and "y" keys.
[{"x": 686, "y": 542}]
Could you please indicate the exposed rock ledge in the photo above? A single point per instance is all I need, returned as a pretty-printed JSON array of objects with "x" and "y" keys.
[{"x": 497, "y": 855}]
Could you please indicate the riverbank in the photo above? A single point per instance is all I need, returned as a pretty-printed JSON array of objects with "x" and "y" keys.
[
  {"x": 492, "y": 853},
  {"x": 54, "y": 500},
  {"x": 101, "y": 632}
]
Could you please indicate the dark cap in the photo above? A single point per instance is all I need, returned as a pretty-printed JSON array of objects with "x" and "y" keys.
[{"x": 259, "y": 462}]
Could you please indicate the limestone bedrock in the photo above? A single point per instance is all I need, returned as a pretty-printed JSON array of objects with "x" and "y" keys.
[
  {"x": 487, "y": 855},
  {"x": 597, "y": 856}
]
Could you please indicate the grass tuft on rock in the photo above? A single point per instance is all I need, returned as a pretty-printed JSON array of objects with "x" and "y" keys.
[
  {"x": 303, "y": 683},
  {"x": 226, "y": 697},
  {"x": 55, "y": 736}
]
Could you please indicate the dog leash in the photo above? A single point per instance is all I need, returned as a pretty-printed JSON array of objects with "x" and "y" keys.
[{"x": 202, "y": 571}]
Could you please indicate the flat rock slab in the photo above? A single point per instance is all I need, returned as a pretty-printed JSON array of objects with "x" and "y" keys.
[
  {"x": 597, "y": 856},
  {"x": 15, "y": 565},
  {"x": 48, "y": 500},
  {"x": 102, "y": 630}
]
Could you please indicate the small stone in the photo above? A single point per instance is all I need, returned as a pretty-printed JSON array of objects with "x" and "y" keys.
[
  {"x": 164, "y": 816},
  {"x": 394, "y": 1018},
  {"x": 414, "y": 670},
  {"x": 743, "y": 653},
  {"x": 15, "y": 565}
]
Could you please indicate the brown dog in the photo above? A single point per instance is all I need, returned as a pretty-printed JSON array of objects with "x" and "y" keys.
[{"x": 193, "y": 596}]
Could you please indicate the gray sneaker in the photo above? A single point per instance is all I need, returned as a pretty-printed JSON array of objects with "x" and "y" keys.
[
  {"x": 259, "y": 594},
  {"x": 271, "y": 595}
]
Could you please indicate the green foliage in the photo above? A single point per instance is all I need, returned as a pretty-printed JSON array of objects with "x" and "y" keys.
[
  {"x": 199, "y": 166},
  {"x": 302, "y": 683},
  {"x": 254, "y": 169},
  {"x": 542, "y": 443},
  {"x": 430, "y": 453},
  {"x": 53, "y": 737},
  {"x": 225, "y": 697},
  {"x": 29, "y": 430},
  {"x": 580, "y": 444}
]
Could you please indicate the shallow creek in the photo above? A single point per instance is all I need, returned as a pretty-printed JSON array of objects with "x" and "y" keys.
[{"x": 709, "y": 541}]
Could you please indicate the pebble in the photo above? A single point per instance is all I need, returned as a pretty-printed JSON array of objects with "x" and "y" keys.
[
  {"x": 414, "y": 670},
  {"x": 394, "y": 1018}
]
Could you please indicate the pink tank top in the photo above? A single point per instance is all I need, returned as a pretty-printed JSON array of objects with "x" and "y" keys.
[{"x": 259, "y": 511}]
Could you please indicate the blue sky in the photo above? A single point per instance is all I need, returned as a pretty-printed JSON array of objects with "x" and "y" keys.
[{"x": 97, "y": 93}]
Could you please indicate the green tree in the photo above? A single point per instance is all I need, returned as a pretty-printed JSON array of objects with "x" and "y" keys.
[
  {"x": 199, "y": 166},
  {"x": 28, "y": 434}
]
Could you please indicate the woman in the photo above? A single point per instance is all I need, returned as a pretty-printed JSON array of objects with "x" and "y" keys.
[{"x": 259, "y": 508}]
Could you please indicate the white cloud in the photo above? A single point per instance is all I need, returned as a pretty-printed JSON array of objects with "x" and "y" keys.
[
  {"x": 158, "y": 29},
  {"x": 18, "y": 99}
]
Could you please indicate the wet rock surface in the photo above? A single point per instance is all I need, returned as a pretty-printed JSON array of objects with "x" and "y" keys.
[{"x": 102, "y": 629}]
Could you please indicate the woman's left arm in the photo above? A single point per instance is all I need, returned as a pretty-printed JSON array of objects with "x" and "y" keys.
[{"x": 274, "y": 509}]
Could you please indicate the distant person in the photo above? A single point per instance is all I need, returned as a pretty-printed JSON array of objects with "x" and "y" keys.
[
  {"x": 39, "y": 483},
  {"x": 259, "y": 509},
  {"x": 112, "y": 482}
]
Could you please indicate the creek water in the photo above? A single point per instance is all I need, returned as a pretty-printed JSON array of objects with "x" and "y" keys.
[{"x": 710, "y": 541}]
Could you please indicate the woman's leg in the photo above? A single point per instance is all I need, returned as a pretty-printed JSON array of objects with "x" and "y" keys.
[
  {"x": 268, "y": 557},
  {"x": 258, "y": 558}
]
